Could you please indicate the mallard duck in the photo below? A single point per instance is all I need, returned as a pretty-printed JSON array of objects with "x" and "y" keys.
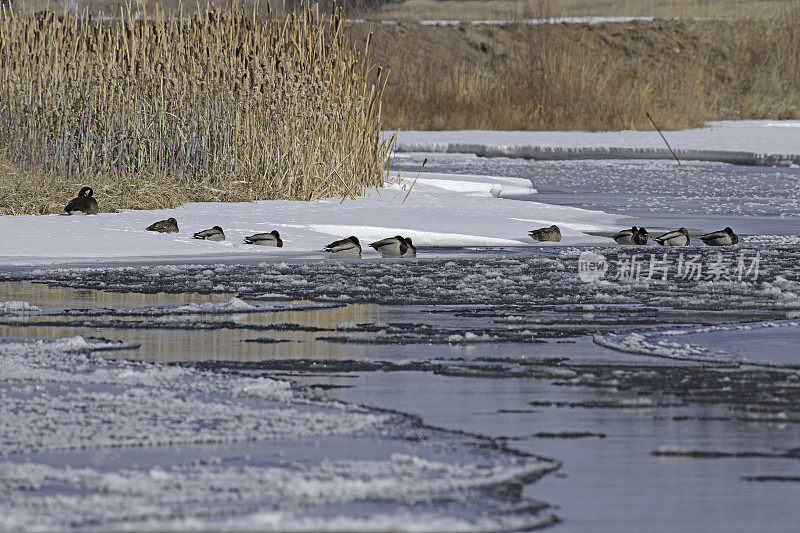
[
  {"x": 679, "y": 237},
  {"x": 391, "y": 247},
  {"x": 83, "y": 204},
  {"x": 164, "y": 226},
  {"x": 273, "y": 238},
  {"x": 552, "y": 234},
  {"x": 350, "y": 246},
  {"x": 411, "y": 250},
  {"x": 213, "y": 234},
  {"x": 725, "y": 237},
  {"x": 642, "y": 238},
  {"x": 626, "y": 236}
]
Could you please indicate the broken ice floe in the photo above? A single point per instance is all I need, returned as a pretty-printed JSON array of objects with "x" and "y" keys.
[{"x": 16, "y": 307}]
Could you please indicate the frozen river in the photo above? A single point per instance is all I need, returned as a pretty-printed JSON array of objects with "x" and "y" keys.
[{"x": 469, "y": 389}]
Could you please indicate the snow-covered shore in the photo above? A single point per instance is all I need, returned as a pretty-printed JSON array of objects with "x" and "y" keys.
[
  {"x": 745, "y": 142},
  {"x": 502, "y": 22},
  {"x": 434, "y": 209},
  {"x": 440, "y": 210}
]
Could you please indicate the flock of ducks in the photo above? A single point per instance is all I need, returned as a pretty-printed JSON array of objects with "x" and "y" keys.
[
  {"x": 678, "y": 237},
  {"x": 399, "y": 246},
  {"x": 640, "y": 237}
]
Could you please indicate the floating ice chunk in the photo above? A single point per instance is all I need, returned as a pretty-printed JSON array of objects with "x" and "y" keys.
[
  {"x": 469, "y": 337},
  {"x": 782, "y": 289},
  {"x": 233, "y": 305},
  {"x": 265, "y": 389},
  {"x": 16, "y": 307},
  {"x": 58, "y": 345}
]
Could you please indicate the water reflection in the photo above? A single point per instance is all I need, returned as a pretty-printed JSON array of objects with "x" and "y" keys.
[
  {"x": 62, "y": 297},
  {"x": 172, "y": 345}
]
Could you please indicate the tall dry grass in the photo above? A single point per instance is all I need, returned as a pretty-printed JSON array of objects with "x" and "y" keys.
[
  {"x": 415, "y": 10},
  {"x": 219, "y": 105},
  {"x": 590, "y": 77}
]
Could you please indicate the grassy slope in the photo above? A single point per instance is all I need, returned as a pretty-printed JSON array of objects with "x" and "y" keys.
[
  {"x": 588, "y": 77},
  {"x": 415, "y": 10},
  {"x": 411, "y": 10}
]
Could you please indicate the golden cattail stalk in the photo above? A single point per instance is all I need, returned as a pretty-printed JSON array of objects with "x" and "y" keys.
[{"x": 196, "y": 103}]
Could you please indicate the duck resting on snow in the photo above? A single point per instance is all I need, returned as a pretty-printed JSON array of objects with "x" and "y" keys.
[
  {"x": 213, "y": 234},
  {"x": 633, "y": 236},
  {"x": 169, "y": 225},
  {"x": 552, "y": 234},
  {"x": 83, "y": 204},
  {"x": 642, "y": 238},
  {"x": 626, "y": 236},
  {"x": 725, "y": 237},
  {"x": 273, "y": 238},
  {"x": 348, "y": 246},
  {"x": 391, "y": 247},
  {"x": 679, "y": 237},
  {"x": 411, "y": 250}
]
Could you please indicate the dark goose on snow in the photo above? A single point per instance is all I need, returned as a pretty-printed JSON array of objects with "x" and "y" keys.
[{"x": 83, "y": 204}]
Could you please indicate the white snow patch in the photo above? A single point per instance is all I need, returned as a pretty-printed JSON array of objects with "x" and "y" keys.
[
  {"x": 439, "y": 210},
  {"x": 488, "y": 186},
  {"x": 755, "y": 142}
]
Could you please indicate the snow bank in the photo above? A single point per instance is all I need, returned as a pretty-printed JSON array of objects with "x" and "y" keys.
[
  {"x": 478, "y": 185},
  {"x": 434, "y": 209},
  {"x": 502, "y": 22},
  {"x": 746, "y": 142},
  {"x": 438, "y": 210}
]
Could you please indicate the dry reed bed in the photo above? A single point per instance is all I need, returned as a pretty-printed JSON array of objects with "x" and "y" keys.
[
  {"x": 414, "y": 10},
  {"x": 582, "y": 77},
  {"x": 154, "y": 112}
]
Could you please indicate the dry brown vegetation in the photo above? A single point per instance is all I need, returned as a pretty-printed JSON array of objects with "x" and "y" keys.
[
  {"x": 589, "y": 77},
  {"x": 237, "y": 108},
  {"x": 152, "y": 113},
  {"x": 414, "y": 10}
]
